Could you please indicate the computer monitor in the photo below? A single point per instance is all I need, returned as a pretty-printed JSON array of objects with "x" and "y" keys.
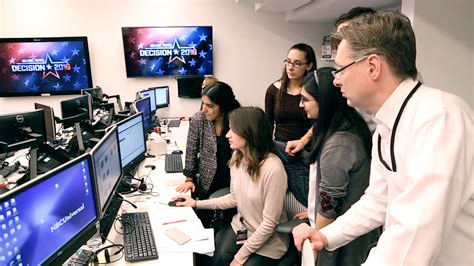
[
  {"x": 190, "y": 87},
  {"x": 80, "y": 107},
  {"x": 107, "y": 167},
  {"x": 162, "y": 96},
  {"x": 143, "y": 105},
  {"x": 148, "y": 93},
  {"x": 96, "y": 94},
  {"x": 46, "y": 220},
  {"x": 21, "y": 130},
  {"x": 132, "y": 141},
  {"x": 50, "y": 125}
]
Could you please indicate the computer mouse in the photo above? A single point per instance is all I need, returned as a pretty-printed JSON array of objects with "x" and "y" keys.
[
  {"x": 177, "y": 152},
  {"x": 172, "y": 203}
]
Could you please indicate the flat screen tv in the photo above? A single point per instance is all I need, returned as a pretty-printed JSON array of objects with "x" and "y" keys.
[
  {"x": 44, "y": 66},
  {"x": 168, "y": 51}
]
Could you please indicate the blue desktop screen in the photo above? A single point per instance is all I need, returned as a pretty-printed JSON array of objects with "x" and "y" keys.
[
  {"x": 131, "y": 139},
  {"x": 108, "y": 171},
  {"x": 143, "y": 105},
  {"x": 39, "y": 220},
  {"x": 151, "y": 94}
]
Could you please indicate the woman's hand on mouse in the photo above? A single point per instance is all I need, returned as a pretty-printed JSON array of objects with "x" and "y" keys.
[{"x": 188, "y": 201}]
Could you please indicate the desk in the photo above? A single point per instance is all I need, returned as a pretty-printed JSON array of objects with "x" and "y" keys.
[{"x": 164, "y": 185}]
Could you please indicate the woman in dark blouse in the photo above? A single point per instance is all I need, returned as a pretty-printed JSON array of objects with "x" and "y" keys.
[
  {"x": 292, "y": 129},
  {"x": 207, "y": 149}
]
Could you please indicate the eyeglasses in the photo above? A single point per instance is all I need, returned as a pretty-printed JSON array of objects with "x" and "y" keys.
[
  {"x": 305, "y": 100},
  {"x": 337, "y": 73},
  {"x": 296, "y": 64}
]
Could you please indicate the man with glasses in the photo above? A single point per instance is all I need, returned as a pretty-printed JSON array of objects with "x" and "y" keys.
[{"x": 421, "y": 182}]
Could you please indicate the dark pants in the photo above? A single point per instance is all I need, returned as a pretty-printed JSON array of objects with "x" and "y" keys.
[
  {"x": 297, "y": 169},
  {"x": 226, "y": 248}
]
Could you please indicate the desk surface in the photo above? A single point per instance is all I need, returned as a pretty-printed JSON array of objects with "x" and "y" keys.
[{"x": 155, "y": 202}]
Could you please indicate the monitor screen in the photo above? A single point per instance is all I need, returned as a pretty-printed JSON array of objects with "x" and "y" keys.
[
  {"x": 151, "y": 94},
  {"x": 38, "y": 66},
  {"x": 50, "y": 125},
  {"x": 107, "y": 167},
  {"x": 132, "y": 141},
  {"x": 168, "y": 51},
  {"x": 76, "y": 106},
  {"x": 162, "y": 96},
  {"x": 46, "y": 220},
  {"x": 190, "y": 87},
  {"x": 143, "y": 105},
  {"x": 17, "y": 128}
]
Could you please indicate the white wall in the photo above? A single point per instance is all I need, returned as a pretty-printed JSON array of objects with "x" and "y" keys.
[
  {"x": 445, "y": 43},
  {"x": 249, "y": 46}
]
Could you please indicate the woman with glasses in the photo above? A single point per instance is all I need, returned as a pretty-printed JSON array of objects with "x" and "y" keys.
[
  {"x": 340, "y": 162},
  {"x": 292, "y": 129}
]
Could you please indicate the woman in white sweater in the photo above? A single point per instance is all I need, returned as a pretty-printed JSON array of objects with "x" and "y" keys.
[{"x": 258, "y": 187}]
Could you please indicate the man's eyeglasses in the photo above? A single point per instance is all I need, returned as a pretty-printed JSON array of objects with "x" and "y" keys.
[
  {"x": 337, "y": 73},
  {"x": 296, "y": 64},
  {"x": 305, "y": 100}
]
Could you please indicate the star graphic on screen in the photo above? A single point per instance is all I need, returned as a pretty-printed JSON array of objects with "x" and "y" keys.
[
  {"x": 131, "y": 39},
  {"x": 160, "y": 72},
  {"x": 210, "y": 47},
  {"x": 55, "y": 52},
  {"x": 27, "y": 81},
  {"x": 64, "y": 44},
  {"x": 201, "y": 70},
  {"x": 67, "y": 77},
  {"x": 76, "y": 85},
  {"x": 65, "y": 60},
  {"x": 12, "y": 61},
  {"x": 21, "y": 51},
  {"x": 142, "y": 61},
  {"x": 192, "y": 45},
  {"x": 57, "y": 86},
  {"x": 76, "y": 69},
  {"x": 132, "y": 55},
  {"x": 182, "y": 38},
  {"x": 140, "y": 46},
  {"x": 49, "y": 67},
  {"x": 202, "y": 37},
  {"x": 192, "y": 62},
  {"x": 182, "y": 71},
  {"x": 32, "y": 56},
  {"x": 152, "y": 67},
  {"x": 35, "y": 88},
  {"x": 75, "y": 51},
  {"x": 16, "y": 77},
  {"x": 202, "y": 54},
  {"x": 177, "y": 47}
]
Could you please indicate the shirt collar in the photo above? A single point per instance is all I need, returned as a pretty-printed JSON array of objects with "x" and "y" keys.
[{"x": 390, "y": 108}]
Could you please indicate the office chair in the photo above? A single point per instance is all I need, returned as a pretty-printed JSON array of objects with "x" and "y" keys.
[{"x": 218, "y": 216}]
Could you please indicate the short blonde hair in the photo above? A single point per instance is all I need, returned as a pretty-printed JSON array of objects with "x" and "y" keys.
[{"x": 209, "y": 80}]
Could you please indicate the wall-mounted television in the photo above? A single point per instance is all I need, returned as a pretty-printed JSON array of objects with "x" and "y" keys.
[
  {"x": 44, "y": 66},
  {"x": 168, "y": 51},
  {"x": 190, "y": 87}
]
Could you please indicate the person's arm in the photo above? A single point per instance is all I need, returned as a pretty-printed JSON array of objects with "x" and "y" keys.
[
  {"x": 270, "y": 101},
  {"x": 274, "y": 192},
  {"x": 193, "y": 143},
  {"x": 431, "y": 186},
  {"x": 295, "y": 146}
]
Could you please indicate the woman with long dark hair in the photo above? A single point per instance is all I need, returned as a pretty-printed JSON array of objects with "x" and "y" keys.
[
  {"x": 340, "y": 162},
  {"x": 292, "y": 129},
  {"x": 207, "y": 149}
]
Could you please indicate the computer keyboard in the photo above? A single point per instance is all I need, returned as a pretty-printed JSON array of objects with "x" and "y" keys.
[
  {"x": 82, "y": 257},
  {"x": 174, "y": 123},
  {"x": 138, "y": 237},
  {"x": 173, "y": 163}
]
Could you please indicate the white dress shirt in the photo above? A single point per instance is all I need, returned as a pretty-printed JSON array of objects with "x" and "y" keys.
[{"x": 427, "y": 206}]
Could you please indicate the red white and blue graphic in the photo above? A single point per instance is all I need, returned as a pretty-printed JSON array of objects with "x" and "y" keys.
[
  {"x": 168, "y": 51},
  {"x": 37, "y": 66}
]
